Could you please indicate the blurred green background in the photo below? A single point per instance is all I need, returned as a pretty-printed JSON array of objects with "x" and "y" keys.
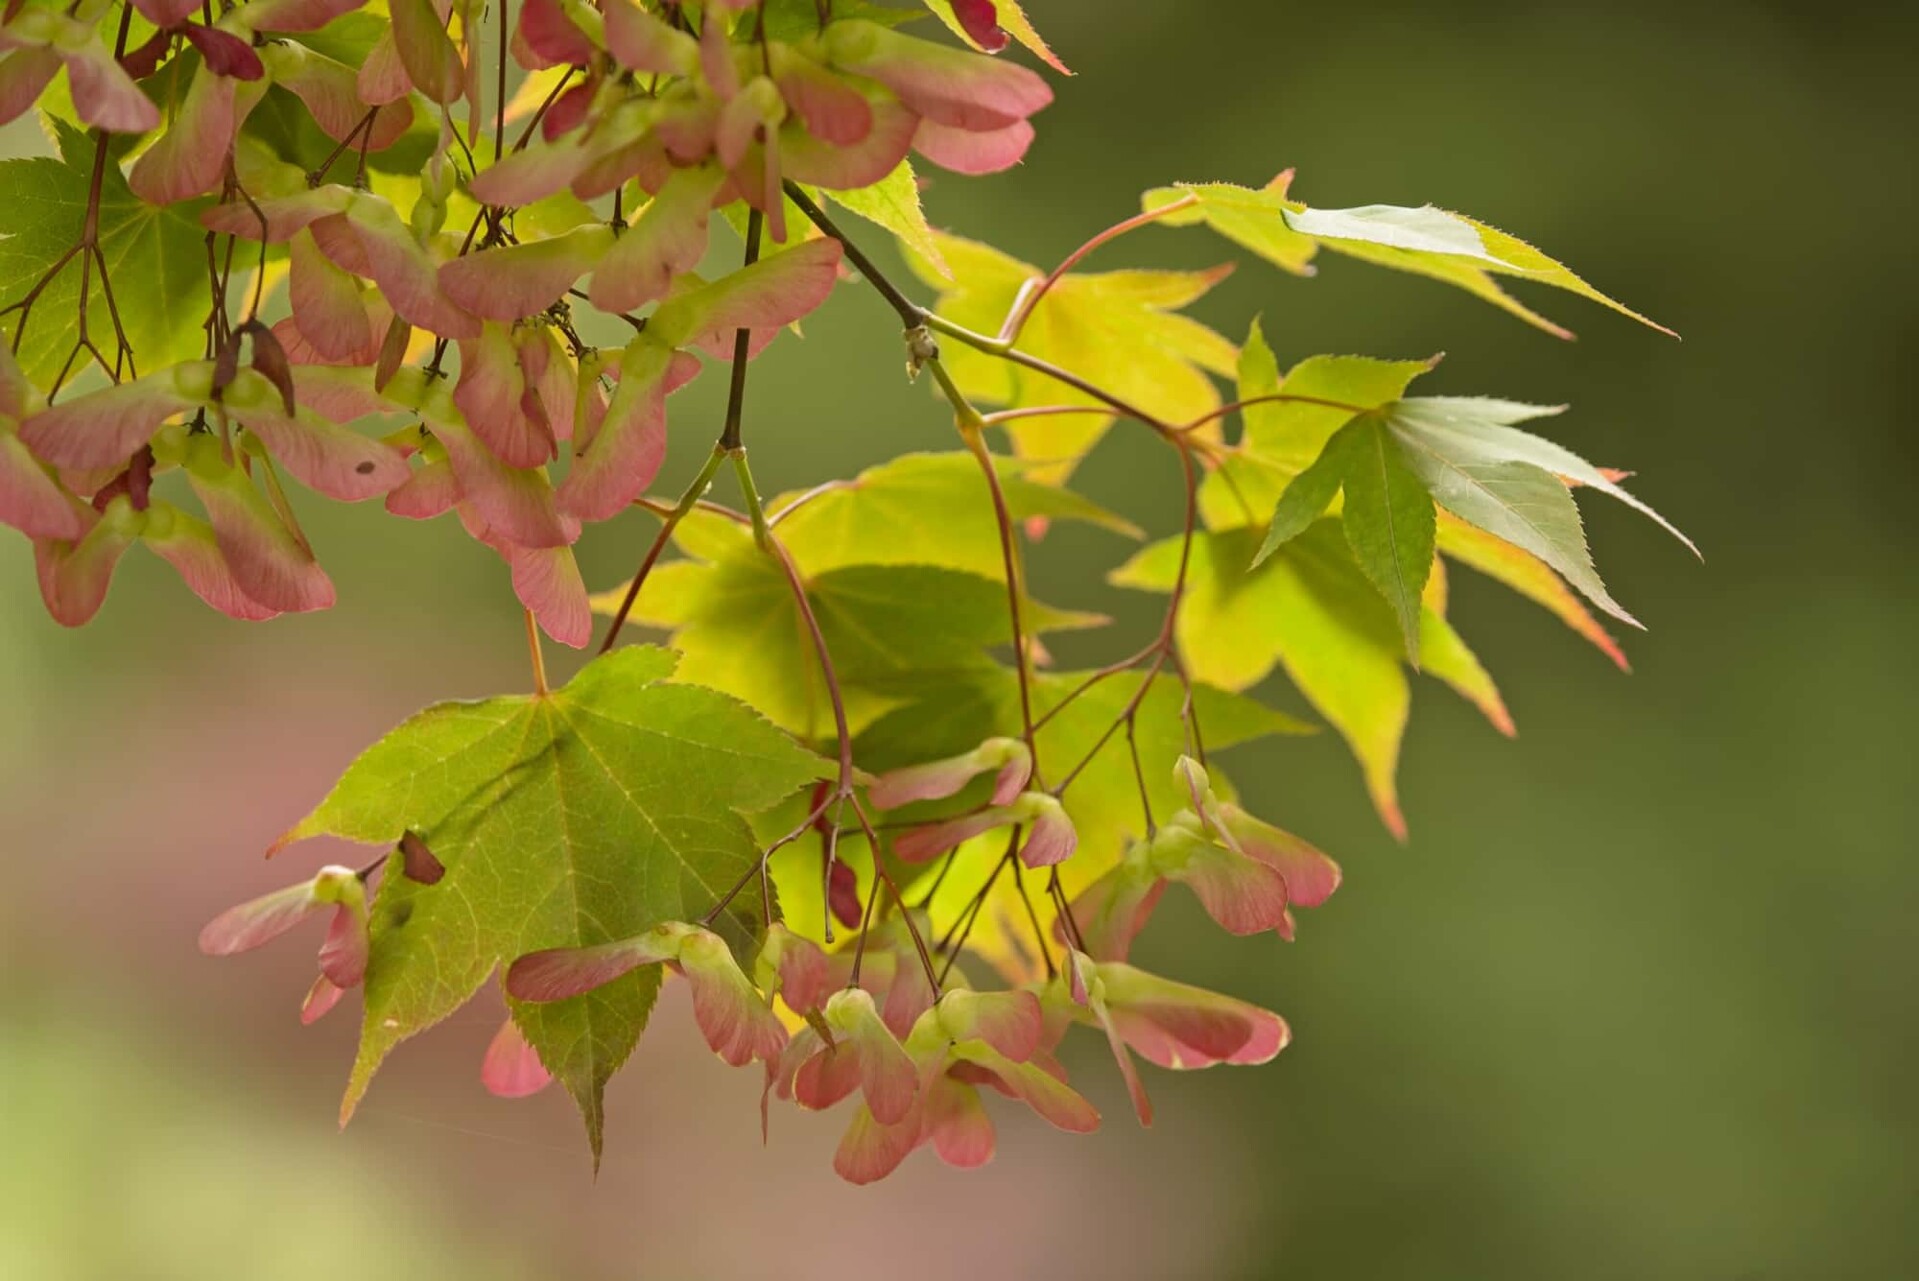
[{"x": 1635, "y": 1002}]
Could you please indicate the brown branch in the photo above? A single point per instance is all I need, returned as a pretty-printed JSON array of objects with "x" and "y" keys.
[
  {"x": 911, "y": 314},
  {"x": 742, "y": 343}
]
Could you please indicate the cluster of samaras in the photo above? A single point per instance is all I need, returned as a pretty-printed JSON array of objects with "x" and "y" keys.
[{"x": 699, "y": 121}]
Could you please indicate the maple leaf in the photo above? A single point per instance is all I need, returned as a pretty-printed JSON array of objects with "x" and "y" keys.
[
  {"x": 925, "y": 509},
  {"x": 903, "y": 568},
  {"x": 1526, "y": 574},
  {"x": 894, "y": 204},
  {"x": 594, "y": 813},
  {"x": 1310, "y": 609},
  {"x": 889, "y": 628},
  {"x": 1512, "y": 484},
  {"x": 1282, "y": 439},
  {"x": 1388, "y": 516},
  {"x": 1121, "y": 329},
  {"x": 1286, "y": 419},
  {"x": 1425, "y": 241},
  {"x": 155, "y": 256}
]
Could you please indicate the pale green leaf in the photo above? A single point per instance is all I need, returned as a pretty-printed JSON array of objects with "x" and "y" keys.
[
  {"x": 1521, "y": 504},
  {"x": 1281, "y": 438},
  {"x": 1508, "y": 483},
  {"x": 1526, "y": 574},
  {"x": 1444, "y": 656},
  {"x": 1425, "y": 241},
  {"x": 1422, "y": 230},
  {"x": 1246, "y": 217},
  {"x": 1483, "y": 428}
]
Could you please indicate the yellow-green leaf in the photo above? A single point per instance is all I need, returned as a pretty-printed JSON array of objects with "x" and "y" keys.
[
  {"x": 892, "y": 629},
  {"x": 1310, "y": 610},
  {"x": 1121, "y": 329},
  {"x": 1279, "y": 439},
  {"x": 1425, "y": 241},
  {"x": 926, "y": 509},
  {"x": 893, "y": 203}
]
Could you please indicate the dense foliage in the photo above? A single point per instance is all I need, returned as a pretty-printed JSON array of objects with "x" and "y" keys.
[{"x": 892, "y": 850}]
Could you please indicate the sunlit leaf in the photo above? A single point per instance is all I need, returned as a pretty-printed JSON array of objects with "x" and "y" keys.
[
  {"x": 1121, "y": 329},
  {"x": 1426, "y": 241},
  {"x": 1525, "y": 574},
  {"x": 891, "y": 629},
  {"x": 1310, "y": 610},
  {"x": 1507, "y": 482},
  {"x": 926, "y": 509},
  {"x": 894, "y": 204},
  {"x": 155, "y": 257},
  {"x": 1279, "y": 438}
]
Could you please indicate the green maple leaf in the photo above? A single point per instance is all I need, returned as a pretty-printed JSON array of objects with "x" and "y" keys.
[
  {"x": 890, "y": 628},
  {"x": 1281, "y": 439},
  {"x": 577, "y": 817},
  {"x": 1389, "y": 520},
  {"x": 155, "y": 257},
  {"x": 1425, "y": 241},
  {"x": 1264, "y": 481},
  {"x": 1388, "y": 516},
  {"x": 1310, "y": 609},
  {"x": 1121, "y": 329}
]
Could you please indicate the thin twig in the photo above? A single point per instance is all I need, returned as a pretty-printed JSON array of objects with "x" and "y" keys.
[
  {"x": 688, "y": 500},
  {"x": 1031, "y": 293}
]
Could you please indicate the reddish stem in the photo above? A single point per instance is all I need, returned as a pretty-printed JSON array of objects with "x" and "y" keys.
[{"x": 1031, "y": 293}]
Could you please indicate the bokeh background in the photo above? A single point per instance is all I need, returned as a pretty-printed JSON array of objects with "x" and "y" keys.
[{"x": 1637, "y": 1000}]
